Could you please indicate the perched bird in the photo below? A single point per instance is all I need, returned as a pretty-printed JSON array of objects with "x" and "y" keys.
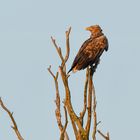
[{"x": 91, "y": 50}]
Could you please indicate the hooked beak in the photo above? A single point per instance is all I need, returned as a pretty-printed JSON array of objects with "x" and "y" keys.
[{"x": 88, "y": 28}]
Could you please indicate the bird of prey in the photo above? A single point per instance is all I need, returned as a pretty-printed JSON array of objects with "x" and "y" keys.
[{"x": 91, "y": 50}]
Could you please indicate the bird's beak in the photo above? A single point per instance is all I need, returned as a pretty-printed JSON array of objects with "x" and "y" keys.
[{"x": 88, "y": 28}]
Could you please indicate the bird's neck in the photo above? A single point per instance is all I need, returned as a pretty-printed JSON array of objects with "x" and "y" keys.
[{"x": 95, "y": 35}]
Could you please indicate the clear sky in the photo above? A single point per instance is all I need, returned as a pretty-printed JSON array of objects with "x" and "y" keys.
[{"x": 26, "y": 51}]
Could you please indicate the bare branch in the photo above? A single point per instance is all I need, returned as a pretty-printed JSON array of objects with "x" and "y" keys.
[
  {"x": 49, "y": 69},
  {"x": 58, "y": 111},
  {"x": 68, "y": 105},
  {"x": 58, "y": 49},
  {"x": 89, "y": 108},
  {"x": 65, "y": 82},
  {"x": 63, "y": 72},
  {"x": 67, "y": 47},
  {"x": 90, "y": 90},
  {"x": 66, "y": 118},
  {"x": 94, "y": 114},
  {"x": 105, "y": 137},
  {"x": 15, "y": 128},
  {"x": 62, "y": 69},
  {"x": 63, "y": 136},
  {"x": 85, "y": 97}
]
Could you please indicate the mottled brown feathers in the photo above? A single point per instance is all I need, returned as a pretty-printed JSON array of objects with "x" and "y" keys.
[{"x": 91, "y": 50}]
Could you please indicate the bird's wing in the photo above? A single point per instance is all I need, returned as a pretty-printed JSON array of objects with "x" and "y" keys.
[
  {"x": 89, "y": 53},
  {"x": 80, "y": 53},
  {"x": 92, "y": 57},
  {"x": 85, "y": 44}
]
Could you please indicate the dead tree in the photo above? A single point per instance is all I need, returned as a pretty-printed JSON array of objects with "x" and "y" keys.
[{"x": 81, "y": 130}]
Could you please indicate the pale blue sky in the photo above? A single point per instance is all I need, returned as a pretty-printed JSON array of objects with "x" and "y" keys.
[{"x": 26, "y": 51}]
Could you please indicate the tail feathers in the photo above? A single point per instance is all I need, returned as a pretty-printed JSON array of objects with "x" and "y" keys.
[
  {"x": 69, "y": 71},
  {"x": 72, "y": 69}
]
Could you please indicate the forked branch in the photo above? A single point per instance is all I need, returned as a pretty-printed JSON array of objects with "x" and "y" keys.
[
  {"x": 67, "y": 46},
  {"x": 15, "y": 127},
  {"x": 63, "y": 133},
  {"x": 58, "y": 49}
]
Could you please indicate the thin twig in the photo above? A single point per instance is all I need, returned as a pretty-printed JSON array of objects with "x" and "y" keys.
[
  {"x": 67, "y": 47},
  {"x": 106, "y": 137},
  {"x": 49, "y": 69},
  {"x": 15, "y": 128},
  {"x": 58, "y": 49}
]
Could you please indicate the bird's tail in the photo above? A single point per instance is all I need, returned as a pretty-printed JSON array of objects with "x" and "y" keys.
[
  {"x": 73, "y": 70},
  {"x": 69, "y": 71}
]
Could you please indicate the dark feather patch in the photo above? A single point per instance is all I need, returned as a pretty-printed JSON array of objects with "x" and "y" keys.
[{"x": 90, "y": 52}]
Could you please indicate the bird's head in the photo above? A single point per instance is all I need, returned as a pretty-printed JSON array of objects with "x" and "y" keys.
[{"x": 95, "y": 30}]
